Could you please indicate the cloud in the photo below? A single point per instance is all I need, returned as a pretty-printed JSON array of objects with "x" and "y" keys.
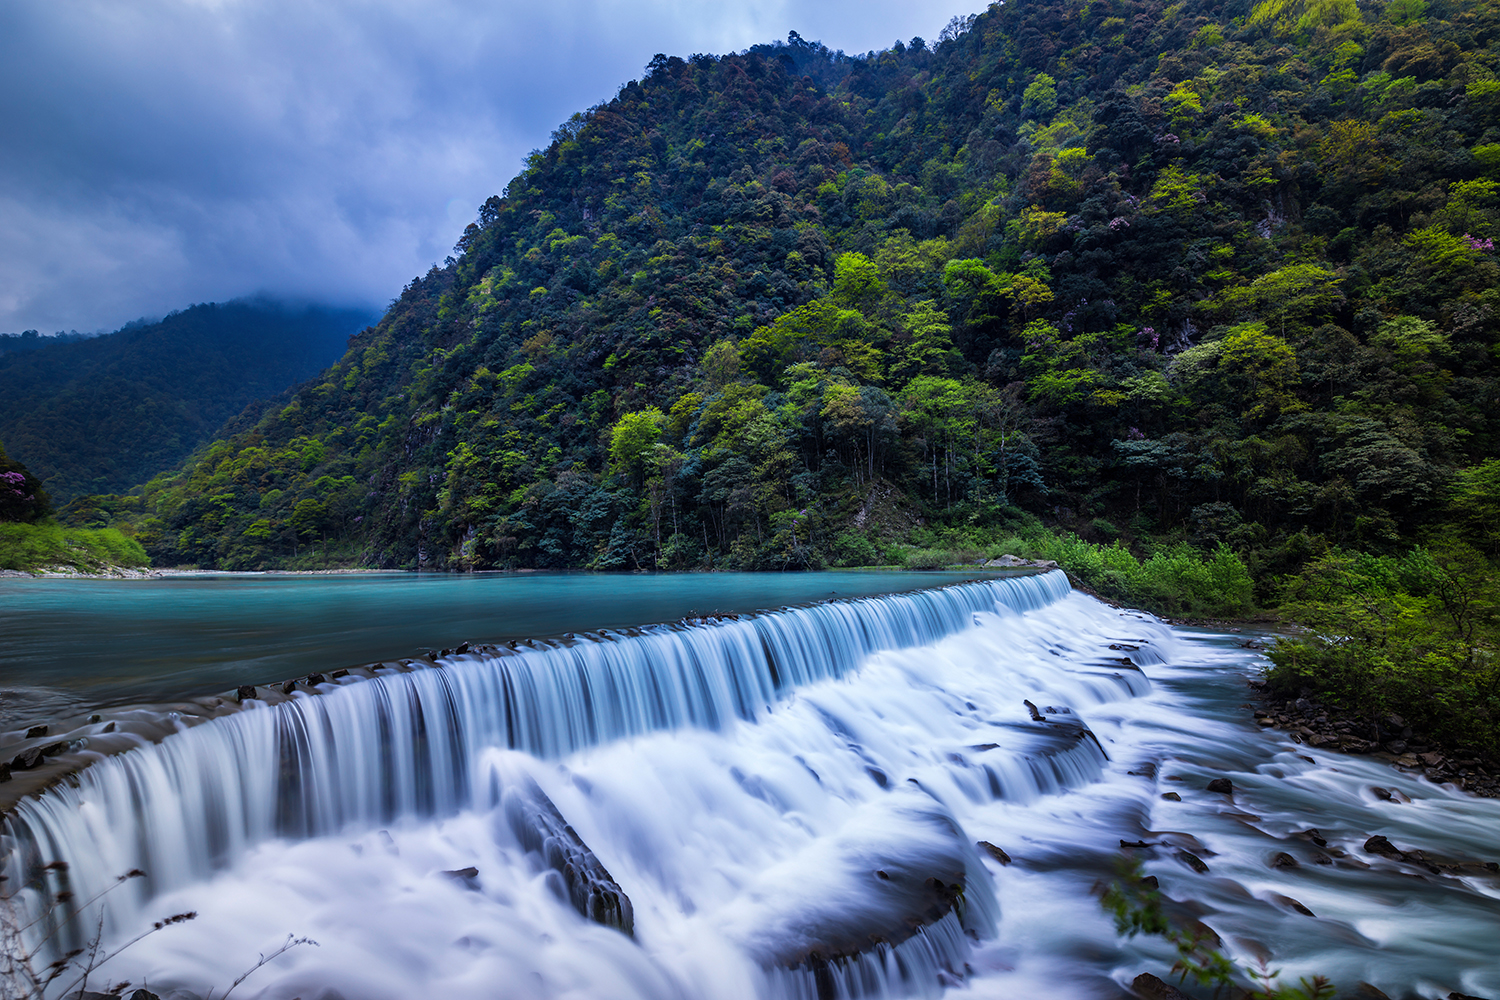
[{"x": 164, "y": 152}]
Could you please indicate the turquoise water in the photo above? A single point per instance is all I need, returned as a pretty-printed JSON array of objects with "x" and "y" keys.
[{"x": 73, "y": 644}]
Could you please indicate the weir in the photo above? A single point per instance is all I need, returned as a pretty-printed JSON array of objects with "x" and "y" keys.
[
  {"x": 874, "y": 798},
  {"x": 403, "y": 745}
]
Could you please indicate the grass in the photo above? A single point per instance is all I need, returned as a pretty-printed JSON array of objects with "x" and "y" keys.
[
  {"x": 1173, "y": 580},
  {"x": 47, "y": 544}
]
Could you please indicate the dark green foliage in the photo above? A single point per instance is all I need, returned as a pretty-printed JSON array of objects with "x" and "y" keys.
[
  {"x": 103, "y": 414},
  {"x": 1413, "y": 635},
  {"x": 1187, "y": 275},
  {"x": 22, "y": 498}
]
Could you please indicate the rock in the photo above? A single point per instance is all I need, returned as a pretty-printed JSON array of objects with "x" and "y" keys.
[
  {"x": 1284, "y": 860},
  {"x": 1036, "y": 716},
  {"x": 584, "y": 881},
  {"x": 109, "y": 727},
  {"x": 1383, "y": 794},
  {"x": 288, "y": 687},
  {"x": 1171, "y": 796},
  {"x": 1462, "y": 996},
  {"x": 1397, "y": 747},
  {"x": 337, "y": 674},
  {"x": 54, "y": 749},
  {"x": 1433, "y": 759},
  {"x": 1364, "y": 991},
  {"x": 314, "y": 679},
  {"x": 96, "y": 718},
  {"x": 4, "y": 772},
  {"x": 143, "y": 995},
  {"x": 1148, "y": 986},
  {"x": 1379, "y": 845},
  {"x": 1150, "y": 882},
  {"x": 1288, "y": 901},
  {"x": 1222, "y": 785},
  {"x": 995, "y": 852},
  {"x": 1134, "y": 843},
  {"x": 463, "y": 647},
  {"x": 245, "y": 691},
  {"x": 36, "y": 731},
  {"x": 26, "y": 759},
  {"x": 1192, "y": 861}
]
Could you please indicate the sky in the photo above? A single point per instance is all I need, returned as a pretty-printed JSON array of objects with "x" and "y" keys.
[{"x": 159, "y": 153}]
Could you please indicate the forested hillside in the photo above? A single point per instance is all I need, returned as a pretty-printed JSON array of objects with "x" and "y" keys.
[
  {"x": 102, "y": 414},
  {"x": 1204, "y": 272}
]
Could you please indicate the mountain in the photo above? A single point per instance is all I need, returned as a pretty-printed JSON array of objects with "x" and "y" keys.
[
  {"x": 102, "y": 414},
  {"x": 1204, "y": 271}
]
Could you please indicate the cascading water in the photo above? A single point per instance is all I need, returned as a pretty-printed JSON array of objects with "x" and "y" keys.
[{"x": 775, "y": 795}]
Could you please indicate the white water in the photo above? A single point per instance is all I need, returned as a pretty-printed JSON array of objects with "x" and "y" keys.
[{"x": 745, "y": 800}]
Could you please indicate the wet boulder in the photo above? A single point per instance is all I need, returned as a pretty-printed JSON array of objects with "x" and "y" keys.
[
  {"x": 1221, "y": 785},
  {"x": 245, "y": 692},
  {"x": 1151, "y": 988},
  {"x": 1285, "y": 860},
  {"x": 995, "y": 852},
  {"x": 36, "y": 732},
  {"x": 26, "y": 760},
  {"x": 1383, "y": 847}
]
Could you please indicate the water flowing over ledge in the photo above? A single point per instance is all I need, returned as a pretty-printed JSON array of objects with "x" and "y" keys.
[{"x": 369, "y": 752}]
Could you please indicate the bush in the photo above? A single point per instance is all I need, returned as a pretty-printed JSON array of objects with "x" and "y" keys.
[
  {"x": 853, "y": 548},
  {"x": 1414, "y": 635},
  {"x": 30, "y": 547},
  {"x": 1178, "y": 580}
]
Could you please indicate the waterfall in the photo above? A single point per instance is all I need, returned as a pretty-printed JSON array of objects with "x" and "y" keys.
[
  {"x": 405, "y": 744},
  {"x": 890, "y": 797}
]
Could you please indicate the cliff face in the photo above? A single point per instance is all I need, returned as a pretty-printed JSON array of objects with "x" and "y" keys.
[{"x": 1204, "y": 271}]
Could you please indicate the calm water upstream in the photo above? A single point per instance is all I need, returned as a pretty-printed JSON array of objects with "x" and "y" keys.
[
  {"x": 74, "y": 644},
  {"x": 744, "y": 798}
]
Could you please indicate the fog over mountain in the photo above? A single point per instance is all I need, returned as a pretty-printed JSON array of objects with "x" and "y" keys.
[{"x": 174, "y": 151}]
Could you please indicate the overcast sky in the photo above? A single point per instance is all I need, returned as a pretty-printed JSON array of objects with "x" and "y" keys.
[{"x": 158, "y": 153}]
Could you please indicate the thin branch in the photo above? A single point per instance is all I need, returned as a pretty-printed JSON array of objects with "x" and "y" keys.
[
  {"x": 286, "y": 946},
  {"x": 178, "y": 918}
]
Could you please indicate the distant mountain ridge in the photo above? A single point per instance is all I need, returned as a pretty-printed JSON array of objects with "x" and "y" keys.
[
  {"x": 1207, "y": 272},
  {"x": 103, "y": 414}
]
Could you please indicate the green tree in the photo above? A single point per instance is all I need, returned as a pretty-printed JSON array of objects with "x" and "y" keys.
[{"x": 632, "y": 439}]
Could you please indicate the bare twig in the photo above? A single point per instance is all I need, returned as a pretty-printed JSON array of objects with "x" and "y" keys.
[
  {"x": 286, "y": 946},
  {"x": 177, "y": 918}
]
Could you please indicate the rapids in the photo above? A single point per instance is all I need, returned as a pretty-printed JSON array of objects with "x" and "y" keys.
[{"x": 765, "y": 790}]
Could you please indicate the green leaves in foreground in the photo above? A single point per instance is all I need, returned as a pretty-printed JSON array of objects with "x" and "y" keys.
[{"x": 1136, "y": 904}]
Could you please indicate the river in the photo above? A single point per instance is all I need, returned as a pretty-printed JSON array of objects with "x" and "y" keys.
[{"x": 763, "y": 793}]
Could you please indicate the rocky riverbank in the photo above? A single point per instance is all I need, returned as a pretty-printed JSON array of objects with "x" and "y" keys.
[{"x": 1315, "y": 724}]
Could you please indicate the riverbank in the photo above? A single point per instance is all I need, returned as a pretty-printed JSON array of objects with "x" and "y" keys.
[{"x": 1389, "y": 739}]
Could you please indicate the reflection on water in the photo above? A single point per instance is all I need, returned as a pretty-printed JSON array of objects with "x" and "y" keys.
[{"x": 101, "y": 642}]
